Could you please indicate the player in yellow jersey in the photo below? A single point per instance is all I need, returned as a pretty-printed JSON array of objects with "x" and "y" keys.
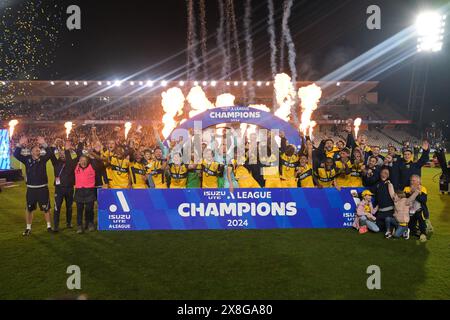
[
  {"x": 211, "y": 171},
  {"x": 106, "y": 156},
  {"x": 156, "y": 168},
  {"x": 242, "y": 175},
  {"x": 305, "y": 176},
  {"x": 289, "y": 162},
  {"x": 138, "y": 172},
  {"x": 356, "y": 174},
  {"x": 271, "y": 171},
  {"x": 344, "y": 167},
  {"x": 119, "y": 167},
  {"x": 326, "y": 174},
  {"x": 178, "y": 172}
]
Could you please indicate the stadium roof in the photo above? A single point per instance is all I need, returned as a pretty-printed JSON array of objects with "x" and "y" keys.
[{"x": 81, "y": 88}]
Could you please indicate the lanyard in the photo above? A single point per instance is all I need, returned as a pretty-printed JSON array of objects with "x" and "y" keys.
[{"x": 59, "y": 174}]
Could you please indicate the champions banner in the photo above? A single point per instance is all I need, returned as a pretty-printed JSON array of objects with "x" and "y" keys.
[{"x": 202, "y": 209}]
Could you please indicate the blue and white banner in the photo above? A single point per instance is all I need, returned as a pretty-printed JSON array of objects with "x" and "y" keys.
[
  {"x": 5, "y": 158},
  {"x": 201, "y": 209}
]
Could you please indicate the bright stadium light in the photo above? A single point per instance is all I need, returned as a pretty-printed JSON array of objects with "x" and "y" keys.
[
  {"x": 430, "y": 30},
  {"x": 205, "y": 83},
  {"x": 259, "y": 83},
  {"x": 99, "y": 83},
  {"x": 67, "y": 83},
  {"x": 149, "y": 83},
  {"x": 195, "y": 83},
  {"x": 52, "y": 83},
  {"x": 236, "y": 83},
  {"x": 141, "y": 83},
  {"x": 267, "y": 83},
  {"x": 181, "y": 83},
  {"x": 77, "y": 83},
  {"x": 108, "y": 83},
  {"x": 85, "y": 83},
  {"x": 228, "y": 83},
  {"x": 117, "y": 83},
  {"x": 245, "y": 83},
  {"x": 132, "y": 83},
  {"x": 163, "y": 83},
  {"x": 213, "y": 83}
]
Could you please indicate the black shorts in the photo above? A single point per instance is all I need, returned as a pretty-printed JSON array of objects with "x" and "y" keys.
[{"x": 38, "y": 196}]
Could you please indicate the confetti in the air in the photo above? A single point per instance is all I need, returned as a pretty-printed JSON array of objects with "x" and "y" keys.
[{"x": 30, "y": 32}]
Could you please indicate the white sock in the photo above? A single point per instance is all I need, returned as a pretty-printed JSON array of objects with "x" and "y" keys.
[
  {"x": 28, "y": 226},
  {"x": 49, "y": 225}
]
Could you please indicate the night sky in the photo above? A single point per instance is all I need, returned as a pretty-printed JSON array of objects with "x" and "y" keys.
[{"x": 120, "y": 38}]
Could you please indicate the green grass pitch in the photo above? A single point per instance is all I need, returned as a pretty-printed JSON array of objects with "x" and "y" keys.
[{"x": 278, "y": 264}]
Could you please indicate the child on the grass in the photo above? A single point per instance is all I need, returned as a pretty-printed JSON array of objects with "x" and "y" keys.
[
  {"x": 401, "y": 215},
  {"x": 365, "y": 214}
]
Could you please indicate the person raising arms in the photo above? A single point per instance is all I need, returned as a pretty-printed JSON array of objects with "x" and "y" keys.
[
  {"x": 305, "y": 175},
  {"x": 36, "y": 179}
]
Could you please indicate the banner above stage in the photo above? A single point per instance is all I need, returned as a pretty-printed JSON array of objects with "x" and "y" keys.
[
  {"x": 237, "y": 114},
  {"x": 202, "y": 209}
]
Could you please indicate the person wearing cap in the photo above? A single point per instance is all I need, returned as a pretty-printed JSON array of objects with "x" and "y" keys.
[
  {"x": 407, "y": 167},
  {"x": 365, "y": 214}
]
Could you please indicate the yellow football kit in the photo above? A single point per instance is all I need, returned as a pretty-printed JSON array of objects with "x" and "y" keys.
[
  {"x": 344, "y": 178},
  {"x": 326, "y": 177},
  {"x": 138, "y": 174},
  {"x": 119, "y": 178},
  {"x": 271, "y": 172},
  {"x": 289, "y": 167},
  {"x": 155, "y": 169},
  {"x": 243, "y": 177},
  {"x": 178, "y": 176},
  {"x": 210, "y": 174},
  {"x": 305, "y": 177},
  {"x": 356, "y": 176}
]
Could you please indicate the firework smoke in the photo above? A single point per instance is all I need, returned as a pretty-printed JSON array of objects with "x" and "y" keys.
[
  {"x": 68, "y": 126},
  {"x": 173, "y": 103},
  {"x": 225, "y": 100},
  {"x": 310, "y": 97},
  {"x": 249, "y": 46},
  {"x": 127, "y": 129},
  {"x": 198, "y": 101},
  {"x": 273, "y": 39},
  {"x": 285, "y": 96},
  {"x": 288, "y": 39},
  {"x": 357, "y": 124},
  {"x": 12, "y": 125}
]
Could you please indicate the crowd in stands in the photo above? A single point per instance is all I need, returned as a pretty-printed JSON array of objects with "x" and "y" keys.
[{"x": 76, "y": 108}]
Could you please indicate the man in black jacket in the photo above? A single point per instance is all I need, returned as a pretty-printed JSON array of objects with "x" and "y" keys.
[
  {"x": 407, "y": 167},
  {"x": 383, "y": 200},
  {"x": 64, "y": 167},
  {"x": 37, "y": 180}
]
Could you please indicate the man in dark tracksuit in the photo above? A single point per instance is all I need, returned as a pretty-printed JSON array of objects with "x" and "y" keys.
[
  {"x": 382, "y": 198},
  {"x": 64, "y": 167},
  {"x": 37, "y": 181},
  {"x": 407, "y": 167}
]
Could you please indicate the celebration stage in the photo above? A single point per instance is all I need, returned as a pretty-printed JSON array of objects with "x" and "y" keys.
[{"x": 202, "y": 209}]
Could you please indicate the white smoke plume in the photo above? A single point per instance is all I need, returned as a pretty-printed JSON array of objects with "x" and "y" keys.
[
  {"x": 249, "y": 47},
  {"x": 273, "y": 39},
  {"x": 198, "y": 101}
]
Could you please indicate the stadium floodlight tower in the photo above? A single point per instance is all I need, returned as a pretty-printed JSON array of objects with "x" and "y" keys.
[{"x": 430, "y": 29}]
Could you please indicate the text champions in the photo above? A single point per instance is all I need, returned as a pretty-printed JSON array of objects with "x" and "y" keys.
[{"x": 237, "y": 209}]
